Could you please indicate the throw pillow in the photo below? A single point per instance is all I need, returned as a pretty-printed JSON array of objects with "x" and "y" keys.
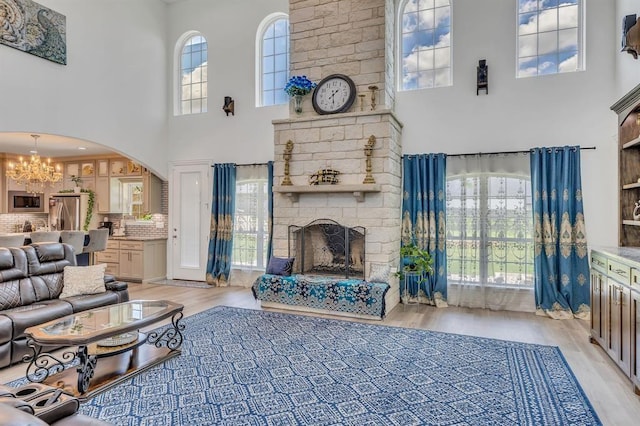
[
  {"x": 280, "y": 266},
  {"x": 379, "y": 273},
  {"x": 80, "y": 280}
]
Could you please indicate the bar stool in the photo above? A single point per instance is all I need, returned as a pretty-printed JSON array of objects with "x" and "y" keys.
[
  {"x": 97, "y": 242},
  {"x": 75, "y": 239},
  {"x": 11, "y": 240},
  {"x": 45, "y": 237}
]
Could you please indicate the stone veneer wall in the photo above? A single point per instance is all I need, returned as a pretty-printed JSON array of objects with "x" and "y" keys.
[
  {"x": 338, "y": 142},
  {"x": 355, "y": 38},
  {"x": 351, "y": 37}
]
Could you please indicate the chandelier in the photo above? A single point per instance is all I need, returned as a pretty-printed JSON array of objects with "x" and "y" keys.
[{"x": 34, "y": 175}]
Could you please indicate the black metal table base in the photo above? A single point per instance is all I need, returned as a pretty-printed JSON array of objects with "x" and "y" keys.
[{"x": 43, "y": 365}]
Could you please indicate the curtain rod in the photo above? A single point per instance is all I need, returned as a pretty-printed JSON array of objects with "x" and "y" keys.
[
  {"x": 505, "y": 152},
  {"x": 247, "y": 164}
]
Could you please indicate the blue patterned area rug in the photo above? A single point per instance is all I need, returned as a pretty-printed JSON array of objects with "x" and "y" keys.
[{"x": 248, "y": 367}]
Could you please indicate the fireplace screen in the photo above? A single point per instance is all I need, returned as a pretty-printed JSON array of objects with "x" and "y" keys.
[{"x": 325, "y": 247}]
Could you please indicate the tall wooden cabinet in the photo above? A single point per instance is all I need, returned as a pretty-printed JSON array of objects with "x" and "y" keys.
[
  {"x": 628, "y": 110},
  {"x": 615, "y": 307}
]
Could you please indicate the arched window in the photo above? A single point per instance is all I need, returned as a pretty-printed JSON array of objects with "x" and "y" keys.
[
  {"x": 425, "y": 44},
  {"x": 272, "y": 61},
  {"x": 192, "y": 80},
  {"x": 549, "y": 37}
]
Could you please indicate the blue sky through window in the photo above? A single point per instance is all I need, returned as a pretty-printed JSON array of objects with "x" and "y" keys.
[
  {"x": 193, "y": 76},
  {"x": 548, "y": 37},
  {"x": 426, "y": 46}
]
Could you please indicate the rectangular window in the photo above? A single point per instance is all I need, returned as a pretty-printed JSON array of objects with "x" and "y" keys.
[
  {"x": 489, "y": 230},
  {"x": 250, "y": 227},
  {"x": 550, "y": 37}
]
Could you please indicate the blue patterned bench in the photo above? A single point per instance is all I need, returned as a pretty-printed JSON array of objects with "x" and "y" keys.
[{"x": 351, "y": 297}]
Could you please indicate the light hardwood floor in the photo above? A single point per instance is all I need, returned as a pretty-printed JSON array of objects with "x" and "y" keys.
[{"x": 610, "y": 393}]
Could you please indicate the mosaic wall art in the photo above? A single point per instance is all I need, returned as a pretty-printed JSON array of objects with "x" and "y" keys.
[{"x": 33, "y": 28}]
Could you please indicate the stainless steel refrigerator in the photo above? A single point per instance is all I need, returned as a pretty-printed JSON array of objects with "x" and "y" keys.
[{"x": 65, "y": 212}]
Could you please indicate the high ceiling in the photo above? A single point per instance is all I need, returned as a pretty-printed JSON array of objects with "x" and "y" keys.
[{"x": 48, "y": 145}]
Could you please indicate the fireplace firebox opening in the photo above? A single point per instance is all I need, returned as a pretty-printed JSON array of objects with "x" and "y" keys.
[{"x": 325, "y": 247}]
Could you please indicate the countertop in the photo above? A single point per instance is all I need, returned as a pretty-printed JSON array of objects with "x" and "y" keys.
[
  {"x": 622, "y": 253},
  {"x": 137, "y": 238}
]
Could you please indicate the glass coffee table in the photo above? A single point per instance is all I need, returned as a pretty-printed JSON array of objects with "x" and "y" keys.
[{"x": 110, "y": 347}]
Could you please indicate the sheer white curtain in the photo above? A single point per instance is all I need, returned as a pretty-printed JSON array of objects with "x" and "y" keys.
[
  {"x": 251, "y": 219},
  {"x": 490, "y": 232}
]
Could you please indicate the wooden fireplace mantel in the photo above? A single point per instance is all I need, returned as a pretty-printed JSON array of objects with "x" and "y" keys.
[{"x": 358, "y": 190}]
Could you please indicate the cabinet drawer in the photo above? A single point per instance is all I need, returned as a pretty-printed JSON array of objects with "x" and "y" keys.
[
  {"x": 112, "y": 269},
  {"x": 131, "y": 245},
  {"x": 106, "y": 256},
  {"x": 113, "y": 244},
  {"x": 599, "y": 262},
  {"x": 619, "y": 272}
]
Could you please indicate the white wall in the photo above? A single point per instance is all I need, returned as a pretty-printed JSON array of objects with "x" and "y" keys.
[
  {"x": 115, "y": 90},
  {"x": 230, "y": 29},
  {"x": 112, "y": 92},
  {"x": 627, "y": 68},
  {"x": 518, "y": 114}
]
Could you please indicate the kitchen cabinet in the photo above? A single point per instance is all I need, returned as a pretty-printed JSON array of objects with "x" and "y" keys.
[
  {"x": 135, "y": 260},
  {"x": 635, "y": 339},
  {"x": 108, "y": 196},
  {"x": 84, "y": 169},
  {"x": 131, "y": 259},
  {"x": 115, "y": 177},
  {"x": 102, "y": 200},
  {"x": 598, "y": 299},
  {"x": 615, "y": 307},
  {"x": 152, "y": 193},
  {"x": 110, "y": 256},
  {"x": 619, "y": 324}
]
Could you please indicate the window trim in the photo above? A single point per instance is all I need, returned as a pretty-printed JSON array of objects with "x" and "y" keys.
[
  {"x": 262, "y": 28},
  {"x": 581, "y": 62},
  {"x": 177, "y": 70},
  {"x": 398, "y": 49}
]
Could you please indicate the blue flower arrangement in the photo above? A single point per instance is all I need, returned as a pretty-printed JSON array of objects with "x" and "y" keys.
[{"x": 299, "y": 85}]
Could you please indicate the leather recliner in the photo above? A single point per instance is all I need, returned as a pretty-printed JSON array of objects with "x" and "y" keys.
[
  {"x": 31, "y": 280},
  {"x": 37, "y": 404}
]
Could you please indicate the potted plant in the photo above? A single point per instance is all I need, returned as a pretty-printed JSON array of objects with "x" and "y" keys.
[
  {"x": 415, "y": 260},
  {"x": 77, "y": 180}
]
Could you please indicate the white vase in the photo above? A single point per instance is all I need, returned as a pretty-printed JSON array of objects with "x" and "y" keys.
[{"x": 77, "y": 189}]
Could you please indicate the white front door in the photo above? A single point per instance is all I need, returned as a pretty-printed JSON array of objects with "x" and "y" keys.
[{"x": 189, "y": 220}]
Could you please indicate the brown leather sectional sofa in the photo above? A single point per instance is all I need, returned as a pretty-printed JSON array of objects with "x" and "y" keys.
[{"x": 31, "y": 280}]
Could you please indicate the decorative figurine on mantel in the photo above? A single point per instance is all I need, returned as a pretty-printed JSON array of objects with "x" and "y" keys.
[
  {"x": 325, "y": 176},
  {"x": 286, "y": 181},
  {"x": 636, "y": 214},
  {"x": 373, "y": 97},
  {"x": 361, "y": 96},
  {"x": 368, "y": 151}
]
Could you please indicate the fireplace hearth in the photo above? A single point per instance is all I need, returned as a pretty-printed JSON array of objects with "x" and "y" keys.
[{"x": 325, "y": 247}]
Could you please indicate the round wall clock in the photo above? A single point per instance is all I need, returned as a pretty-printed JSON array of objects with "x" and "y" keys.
[{"x": 334, "y": 94}]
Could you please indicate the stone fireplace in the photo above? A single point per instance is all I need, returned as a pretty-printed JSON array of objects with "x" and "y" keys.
[{"x": 355, "y": 38}]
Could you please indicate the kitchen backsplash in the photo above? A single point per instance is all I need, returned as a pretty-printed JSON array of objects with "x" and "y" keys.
[
  {"x": 14, "y": 222},
  {"x": 156, "y": 227}
]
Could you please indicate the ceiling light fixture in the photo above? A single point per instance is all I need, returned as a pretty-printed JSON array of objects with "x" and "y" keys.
[{"x": 34, "y": 175}]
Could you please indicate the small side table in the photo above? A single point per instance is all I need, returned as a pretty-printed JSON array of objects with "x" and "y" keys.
[{"x": 410, "y": 282}]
